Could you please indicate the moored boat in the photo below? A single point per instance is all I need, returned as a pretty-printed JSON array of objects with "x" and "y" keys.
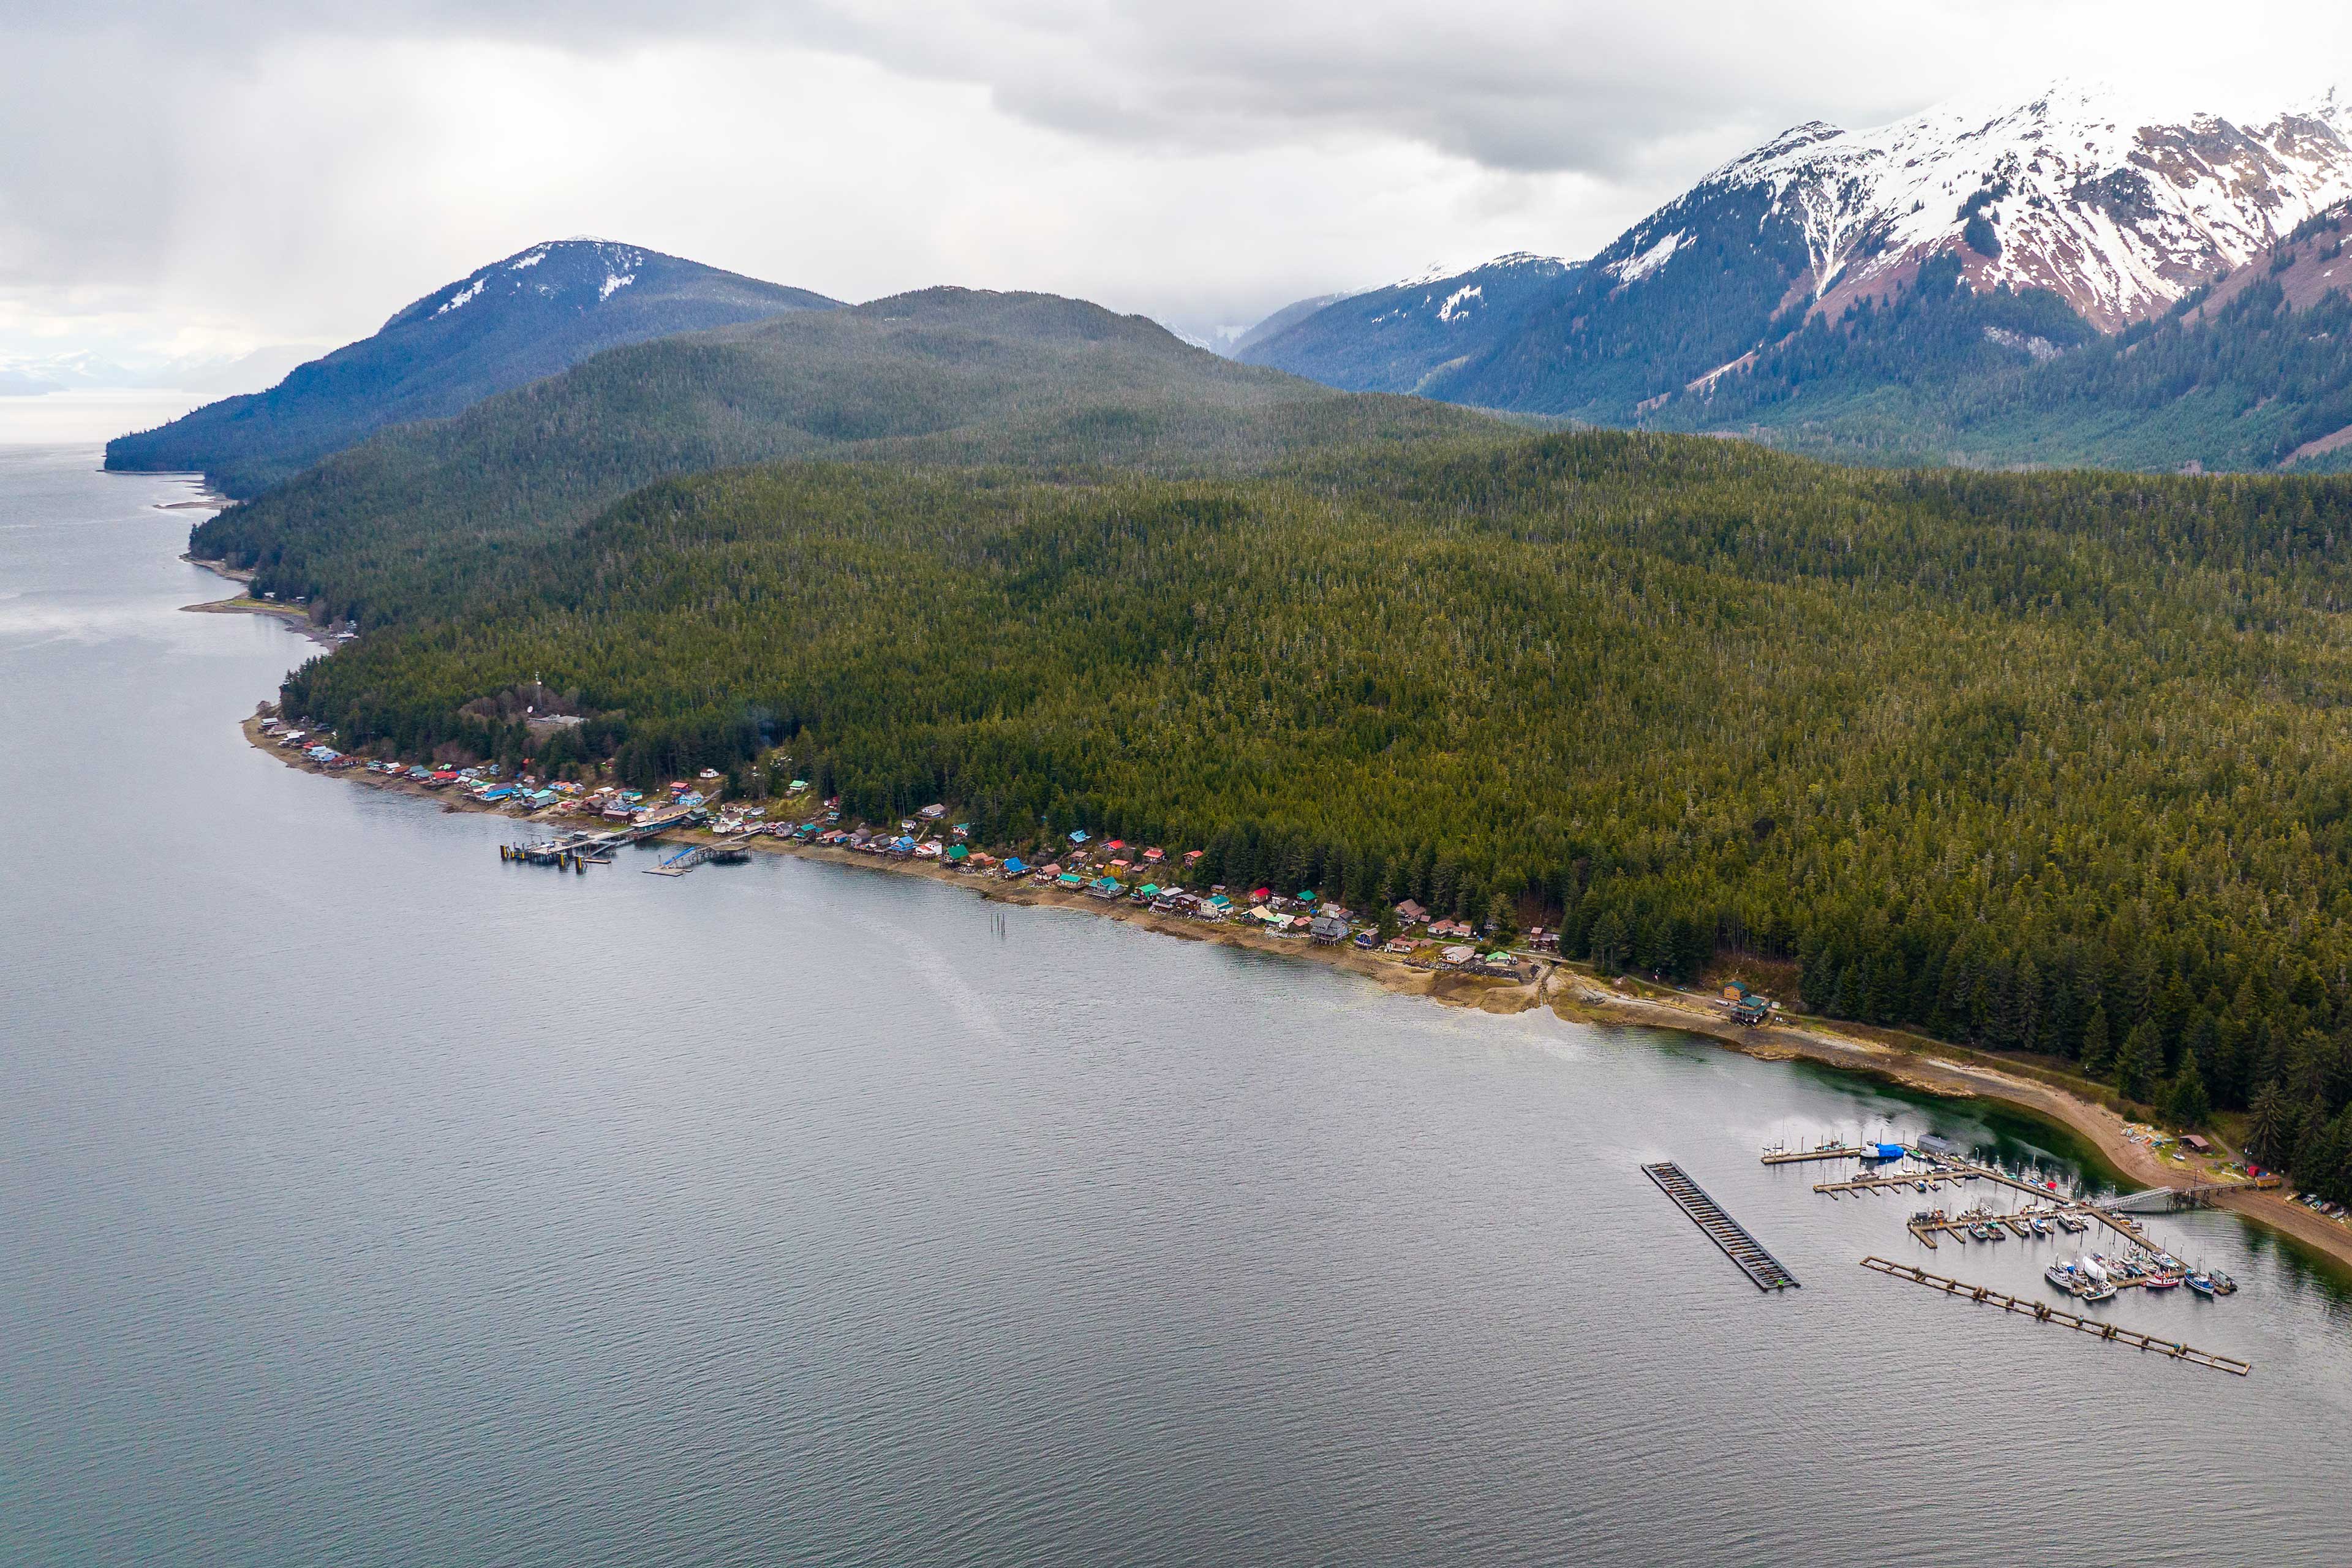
[{"x": 2201, "y": 1284}]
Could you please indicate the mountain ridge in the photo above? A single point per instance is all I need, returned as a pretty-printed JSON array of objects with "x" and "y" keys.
[{"x": 524, "y": 316}]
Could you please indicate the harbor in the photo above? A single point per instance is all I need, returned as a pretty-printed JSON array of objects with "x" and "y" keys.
[{"x": 2047, "y": 1212}]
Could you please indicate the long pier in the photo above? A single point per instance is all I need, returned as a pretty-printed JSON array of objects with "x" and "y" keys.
[
  {"x": 2042, "y": 1312},
  {"x": 1723, "y": 1230}
]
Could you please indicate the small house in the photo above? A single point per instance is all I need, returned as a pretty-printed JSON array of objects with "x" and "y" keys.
[
  {"x": 1327, "y": 929},
  {"x": 1411, "y": 913},
  {"x": 932, "y": 813}
]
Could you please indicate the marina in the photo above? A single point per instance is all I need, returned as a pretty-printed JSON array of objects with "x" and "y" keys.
[
  {"x": 2042, "y": 1312},
  {"x": 1726, "y": 1232}
]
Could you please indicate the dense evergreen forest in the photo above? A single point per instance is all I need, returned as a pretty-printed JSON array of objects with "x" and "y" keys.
[
  {"x": 2052, "y": 763},
  {"x": 1941, "y": 373}
]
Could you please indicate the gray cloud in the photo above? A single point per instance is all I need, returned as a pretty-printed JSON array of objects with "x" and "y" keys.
[{"x": 223, "y": 172}]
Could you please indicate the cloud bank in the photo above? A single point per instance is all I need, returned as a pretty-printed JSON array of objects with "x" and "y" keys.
[{"x": 201, "y": 178}]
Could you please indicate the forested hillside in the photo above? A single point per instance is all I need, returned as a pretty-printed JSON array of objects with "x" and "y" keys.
[
  {"x": 946, "y": 376},
  {"x": 2057, "y": 763},
  {"x": 2247, "y": 382}
]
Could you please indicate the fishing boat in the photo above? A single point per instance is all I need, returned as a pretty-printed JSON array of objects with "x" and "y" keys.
[
  {"x": 2073, "y": 1224},
  {"x": 2040, "y": 1225},
  {"x": 2222, "y": 1284},
  {"x": 2201, "y": 1284},
  {"x": 2062, "y": 1275},
  {"x": 2102, "y": 1292},
  {"x": 2162, "y": 1280}
]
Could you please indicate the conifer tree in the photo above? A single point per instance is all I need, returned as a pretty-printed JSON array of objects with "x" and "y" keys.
[
  {"x": 2098, "y": 1053},
  {"x": 2140, "y": 1063},
  {"x": 2185, "y": 1099}
]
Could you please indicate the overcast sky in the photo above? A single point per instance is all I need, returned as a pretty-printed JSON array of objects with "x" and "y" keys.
[{"x": 208, "y": 175}]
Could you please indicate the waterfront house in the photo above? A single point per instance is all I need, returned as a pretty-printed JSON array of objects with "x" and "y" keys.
[
  {"x": 1456, "y": 956},
  {"x": 1106, "y": 888},
  {"x": 1327, "y": 928},
  {"x": 1411, "y": 913},
  {"x": 1016, "y": 867}
]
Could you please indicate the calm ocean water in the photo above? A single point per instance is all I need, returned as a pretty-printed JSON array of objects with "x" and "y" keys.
[{"x": 369, "y": 1202}]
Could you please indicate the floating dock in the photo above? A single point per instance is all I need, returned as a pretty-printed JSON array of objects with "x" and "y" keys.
[
  {"x": 679, "y": 864},
  {"x": 2042, "y": 1312},
  {"x": 1828, "y": 1152},
  {"x": 1725, "y": 1232}
]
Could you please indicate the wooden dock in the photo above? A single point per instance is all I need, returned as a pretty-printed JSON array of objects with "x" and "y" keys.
[
  {"x": 2042, "y": 1312},
  {"x": 1725, "y": 1232},
  {"x": 1832, "y": 1151},
  {"x": 1934, "y": 1180}
]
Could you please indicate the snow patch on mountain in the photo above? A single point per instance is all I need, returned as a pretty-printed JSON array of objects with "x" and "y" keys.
[
  {"x": 1457, "y": 304},
  {"x": 1633, "y": 268},
  {"x": 463, "y": 297},
  {"x": 613, "y": 283},
  {"x": 2117, "y": 205}
]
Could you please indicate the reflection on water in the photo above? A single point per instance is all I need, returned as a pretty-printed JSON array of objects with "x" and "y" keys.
[{"x": 371, "y": 1200}]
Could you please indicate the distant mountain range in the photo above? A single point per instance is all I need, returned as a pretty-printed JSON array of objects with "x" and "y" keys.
[
  {"x": 1409, "y": 335},
  {"x": 1873, "y": 295},
  {"x": 527, "y": 316},
  {"x": 84, "y": 371}
]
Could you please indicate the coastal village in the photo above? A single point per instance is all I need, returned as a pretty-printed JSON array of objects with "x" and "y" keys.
[
  {"x": 1109, "y": 870},
  {"x": 585, "y": 823}
]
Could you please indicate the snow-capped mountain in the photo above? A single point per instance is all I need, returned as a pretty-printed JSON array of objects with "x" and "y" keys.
[
  {"x": 527, "y": 316},
  {"x": 1396, "y": 337},
  {"x": 2116, "y": 210}
]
